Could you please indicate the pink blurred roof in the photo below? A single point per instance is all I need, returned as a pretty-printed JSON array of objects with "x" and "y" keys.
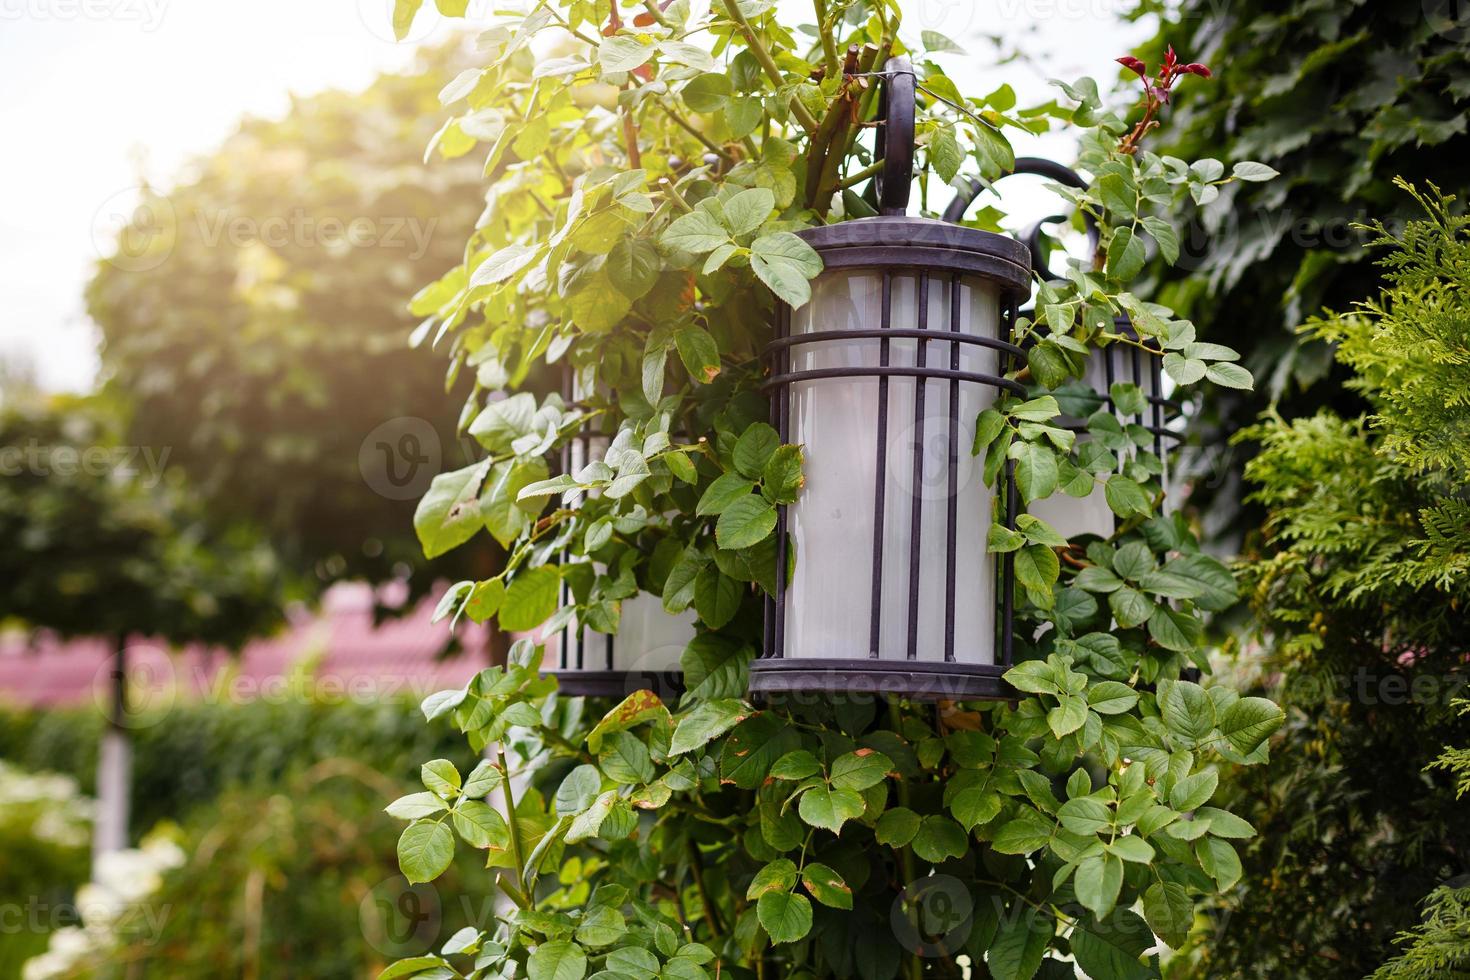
[{"x": 353, "y": 658}]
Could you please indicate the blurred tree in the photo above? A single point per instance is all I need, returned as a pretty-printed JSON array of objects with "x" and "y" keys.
[
  {"x": 1340, "y": 96},
  {"x": 100, "y": 540},
  {"x": 255, "y": 318}
]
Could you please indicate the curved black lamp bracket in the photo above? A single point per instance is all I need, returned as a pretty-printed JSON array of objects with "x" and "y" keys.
[
  {"x": 894, "y": 146},
  {"x": 1031, "y": 237}
]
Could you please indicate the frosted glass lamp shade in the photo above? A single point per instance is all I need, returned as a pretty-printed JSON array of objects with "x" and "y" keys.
[
  {"x": 645, "y": 651},
  {"x": 1117, "y": 363},
  {"x": 880, "y": 378}
]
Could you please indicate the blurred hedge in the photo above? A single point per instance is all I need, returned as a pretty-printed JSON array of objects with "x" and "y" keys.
[
  {"x": 291, "y": 868},
  {"x": 199, "y": 750}
]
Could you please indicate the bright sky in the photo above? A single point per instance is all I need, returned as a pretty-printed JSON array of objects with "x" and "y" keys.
[{"x": 98, "y": 92}]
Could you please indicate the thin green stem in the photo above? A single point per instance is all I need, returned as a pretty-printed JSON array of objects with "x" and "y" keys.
[
  {"x": 511, "y": 820},
  {"x": 824, "y": 31},
  {"x": 763, "y": 56},
  {"x": 851, "y": 180}
]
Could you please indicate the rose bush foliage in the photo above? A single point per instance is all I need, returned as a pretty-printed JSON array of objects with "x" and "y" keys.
[{"x": 648, "y": 166}]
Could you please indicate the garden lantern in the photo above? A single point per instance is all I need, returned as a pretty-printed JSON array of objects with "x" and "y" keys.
[
  {"x": 645, "y": 651},
  {"x": 1073, "y": 517},
  {"x": 880, "y": 376}
]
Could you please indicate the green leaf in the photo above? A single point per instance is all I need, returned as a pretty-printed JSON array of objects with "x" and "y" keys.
[
  {"x": 754, "y": 748},
  {"x": 1036, "y": 470},
  {"x": 415, "y": 805},
  {"x": 1111, "y": 698},
  {"x": 448, "y": 515},
  {"x": 601, "y": 926},
  {"x": 1126, "y": 255},
  {"x": 633, "y": 962},
  {"x": 1098, "y": 881},
  {"x": 1223, "y": 823},
  {"x": 424, "y": 851},
  {"x": 484, "y": 778},
  {"x": 786, "y": 264},
  {"x": 785, "y": 917},
  {"x": 479, "y": 825},
  {"x": 937, "y": 43},
  {"x": 504, "y": 264},
  {"x": 403, "y": 14},
  {"x": 1230, "y": 376},
  {"x": 619, "y": 53},
  {"x": 777, "y": 876},
  {"x": 697, "y": 232},
  {"x": 586, "y": 824},
  {"x": 826, "y": 886},
  {"x": 1249, "y": 722},
  {"x": 633, "y": 265},
  {"x": 748, "y": 210},
  {"x": 1129, "y": 607},
  {"x": 1069, "y": 715},
  {"x": 755, "y": 447},
  {"x": 796, "y": 765},
  {"x": 559, "y": 960},
  {"x": 1020, "y": 943},
  {"x": 1219, "y": 860},
  {"x": 1033, "y": 677},
  {"x": 1028, "y": 832},
  {"x": 860, "y": 770},
  {"x": 1126, "y": 498},
  {"x": 717, "y": 597},
  {"x": 1037, "y": 567},
  {"x": 530, "y": 600},
  {"x": 727, "y": 488},
  {"x": 1085, "y": 815},
  {"x": 1165, "y": 236},
  {"x": 578, "y": 790},
  {"x": 946, "y": 155},
  {"x": 897, "y": 827},
  {"x": 709, "y": 92},
  {"x": 745, "y": 522},
  {"x": 440, "y": 777},
  {"x": 781, "y": 480},
  {"x": 1184, "y": 370},
  {"x": 415, "y": 964},
  {"x": 1175, "y": 630},
  {"x": 625, "y": 759},
  {"x": 1169, "y": 912},
  {"x": 1250, "y": 170},
  {"x": 1194, "y": 791},
  {"x": 1112, "y": 949},
  {"x": 706, "y": 722},
  {"x": 940, "y": 838},
  {"x": 822, "y": 806},
  {"x": 699, "y": 352}
]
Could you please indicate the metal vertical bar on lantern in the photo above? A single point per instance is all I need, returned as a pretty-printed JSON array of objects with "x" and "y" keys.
[
  {"x": 1074, "y": 517},
  {"x": 644, "y": 653},
  {"x": 880, "y": 377}
]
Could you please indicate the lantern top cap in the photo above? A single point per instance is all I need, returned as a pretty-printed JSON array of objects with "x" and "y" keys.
[{"x": 897, "y": 241}]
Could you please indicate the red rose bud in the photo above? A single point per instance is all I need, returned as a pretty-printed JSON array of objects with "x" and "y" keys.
[
  {"x": 1196, "y": 69},
  {"x": 644, "y": 20},
  {"x": 1134, "y": 65}
]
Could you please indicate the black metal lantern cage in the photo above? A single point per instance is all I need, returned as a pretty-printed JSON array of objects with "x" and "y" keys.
[
  {"x": 1120, "y": 362},
  {"x": 959, "y": 260},
  {"x": 588, "y": 662}
]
